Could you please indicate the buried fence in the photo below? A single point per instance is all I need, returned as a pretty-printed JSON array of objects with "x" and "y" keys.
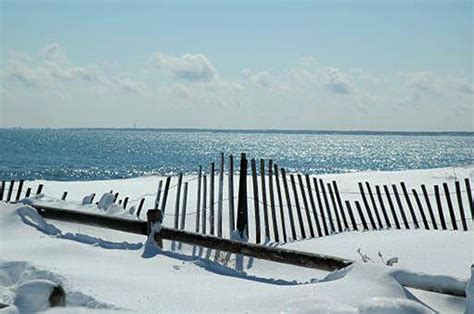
[{"x": 266, "y": 203}]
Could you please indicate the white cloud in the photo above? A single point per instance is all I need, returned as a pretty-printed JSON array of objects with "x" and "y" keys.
[
  {"x": 193, "y": 67},
  {"x": 337, "y": 81},
  {"x": 260, "y": 78},
  {"x": 462, "y": 86},
  {"x": 422, "y": 82}
]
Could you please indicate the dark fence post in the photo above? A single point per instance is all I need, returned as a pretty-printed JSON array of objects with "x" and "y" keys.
[
  {"x": 428, "y": 204},
  {"x": 339, "y": 202},
  {"x": 351, "y": 216},
  {"x": 410, "y": 206},
  {"x": 140, "y": 207},
  {"x": 204, "y": 199},
  {"x": 125, "y": 201},
  {"x": 211, "y": 199},
  {"x": 198, "y": 200},
  {"x": 366, "y": 205},
  {"x": 384, "y": 209},
  {"x": 469, "y": 197},
  {"x": 326, "y": 203},
  {"x": 2, "y": 189},
  {"x": 280, "y": 202},
  {"x": 420, "y": 207},
  {"x": 242, "y": 218},
  {"x": 361, "y": 215},
  {"x": 178, "y": 198},
  {"x": 461, "y": 208},
  {"x": 40, "y": 189},
  {"x": 264, "y": 199},
  {"x": 320, "y": 205},
  {"x": 63, "y": 198},
  {"x": 220, "y": 197},
  {"x": 272, "y": 200},
  {"x": 334, "y": 206},
  {"x": 298, "y": 208},
  {"x": 450, "y": 206},
  {"x": 18, "y": 193},
  {"x": 10, "y": 190},
  {"x": 306, "y": 206},
  {"x": 288, "y": 202},
  {"x": 28, "y": 193},
  {"x": 116, "y": 196},
  {"x": 374, "y": 205},
  {"x": 183, "y": 210},
  {"x": 165, "y": 194},
  {"x": 255, "y": 201},
  {"x": 313, "y": 205},
  {"x": 400, "y": 207},
  {"x": 440, "y": 207},
  {"x": 158, "y": 194},
  {"x": 231, "y": 195}
]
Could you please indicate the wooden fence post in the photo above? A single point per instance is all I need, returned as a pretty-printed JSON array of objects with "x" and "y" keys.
[
  {"x": 382, "y": 206},
  {"x": 178, "y": 197},
  {"x": 288, "y": 202},
  {"x": 306, "y": 206},
  {"x": 255, "y": 201},
  {"x": 339, "y": 202},
  {"x": 10, "y": 190},
  {"x": 366, "y": 205},
  {"x": 231, "y": 196},
  {"x": 440, "y": 208},
  {"x": 18, "y": 193},
  {"x": 450, "y": 206},
  {"x": 242, "y": 217},
  {"x": 40, "y": 189},
  {"x": 204, "y": 196},
  {"x": 264, "y": 199},
  {"x": 183, "y": 210},
  {"x": 428, "y": 204},
  {"x": 361, "y": 215},
  {"x": 410, "y": 206},
  {"x": 298, "y": 208},
  {"x": 272, "y": 201},
  {"x": 280, "y": 203},
  {"x": 140, "y": 207},
  {"x": 326, "y": 203},
  {"x": 63, "y": 198},
  {"x": 420, "y": 207},
  {"x": 220, "y": 197},
  {"x": 165, "y": 194},
  {"x": 2, "y": 189},
  {"x": 324, "y": 223},
  {"x": 334, "y": 206},
  {"x": 28, "y": 193},
  {"x": 469, "y": 197},
  {"x": 116, "y": 196},
  {"x": 400, "y": 207},
  {"x": 198, "y": 200},
  {"x": 374, "y": 204},
  {"x": 211, "y": 199},
  {"x": 158, "y": 194},
  {"x": 313, "y": 206},
  {"x": 461, "y": 208},
  {"x": 351, "y": 216},
  {"x": 125, "y": 201}
]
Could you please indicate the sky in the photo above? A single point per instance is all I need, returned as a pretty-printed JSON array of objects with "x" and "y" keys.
[{"x": 318, "y": 65}]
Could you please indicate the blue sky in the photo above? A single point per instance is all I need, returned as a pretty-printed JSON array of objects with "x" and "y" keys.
[{"x": 372, "y": 65}]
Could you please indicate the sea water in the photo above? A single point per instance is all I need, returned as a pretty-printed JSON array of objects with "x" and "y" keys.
[{"x": 93, "y": 154}]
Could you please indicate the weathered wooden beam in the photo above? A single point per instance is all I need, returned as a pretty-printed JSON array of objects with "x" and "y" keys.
[{"x": 242, "y": 217}]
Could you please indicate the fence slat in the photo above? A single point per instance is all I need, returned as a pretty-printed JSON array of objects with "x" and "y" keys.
[
  {"x": 280, "y": 203},
  {"x": 288, "y": 202},
  {"x": 420, "y": 207},
  {"x": 255, "y": 201},
  {"x": 165, "y": 194},
  {"x": 10, "y": 190},
  {"x": 198, "y": 201},
  {"x": 428, "y": 204},
  {"x": 383, "y": 208},
  {"x": 334, "y": 206},
  {"x": 361, "y": 215},
  {"x": 339, "y": 202},
  {"x": 2, "y": 189},
  {"x": 264, "y": 199},
  {"x": 450, "y": 206},
  {"x": 40, "y": 189},
  {"x": 220, "y": 197},
  {"x": 374, "y": 205},
  {"x": 140, "y": 207},
  {"x": 211, "y": 199},
  {"x": 410, "y": 206},
  {"x": 351, "y": 216},
  {"x": 242, "y": 218},
  {"x": 63, "y": 198},
  {"x": 440, "y": 207},
  {"x": 182, "y": 224},
  {"x": 178, "y": 198},
  {"x": 320, "y": 205},
  {"x": 125, "y": 201},
  {"x": 204, "y": 209},
  {"x": 460, "y": 206},
  {"x": 18, "y": 193},
  {"x": 158, "y": 194},
  {"x": 469, "y": 197},
  {"x": 298, "y": 207},
  {"x": 326, "y": 203},
  {"x": 313, "y": 205},
  {"x": 399, "y": 203},
  {"x": 306, "y": 206},
  {"x": 366, "y": 205},
  {"x": 28, "y": 193},
  {"x": 272, "y": 201},
  {"x": 231, "y": 195}
]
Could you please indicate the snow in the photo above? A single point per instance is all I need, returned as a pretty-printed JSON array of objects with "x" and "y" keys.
[{"x": 110, "y": 270}]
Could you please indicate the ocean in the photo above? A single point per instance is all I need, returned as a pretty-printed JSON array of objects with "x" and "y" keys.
[{"x": 96, "y": 154}]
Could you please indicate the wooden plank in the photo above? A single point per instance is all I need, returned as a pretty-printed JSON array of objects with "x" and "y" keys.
[
  {"x": 351, "y": 216},
  {"x": 326, "y": 203},
  {"x": 18, "y": 193},
  {"x": 220, "y": 197},
  {"x": 165, "y": 194},
  {"x": 184, "y": 206},
  {"x": 158, "y": 194},
  {"x": 231, "y": 195},
  {"x": 334, "y": 206},
  {"x": 306, "y": 206},
  {"x": 177, "y": 202},
  {"x": 276, "y": 236},
  {"x": 280, "y": 203},
  {"x": 460, "y": 206},
  {"x": 198, "y": 201},
  {"x": 339, "y": 202},
  {"x": 140, "y": 207},
  {"x": 63, "y": 198},
  {"x": 204, "y": 196},
  {"x": 440, "y": 208},
  {"x": 420, "y": 207},
  {"x": 366, "y": 205},
  {"x": 211, "y": 199},
  {"x": 361, "y": 216},
  {"x": 242, "y": 209},
  {"x": 313, "y": 206},
  {"x": 298, "y": 207},
  {"x": 264, "y": 200},
  {"x": 28, "y": 193},
  {"x": 410, "y": 206},
  {"x": 288, "y": 202},
  {"x": 255, "y": 201},
  {"x": 428, "y": 205},
  {"x": 2, "y": 189},
  {"x": 40, "y": 189},
  {"x": 382, "y": 206},
  {"x": 125, "y": 201},
  {"x": 450, "y": 206},
  {"x": 10, "y": 190},
  {"x": 320, "y": 206},
  {"x": 400, "y": 207},
  {"x": 469, "y": 197},
  {"x": 374, "y": 205}
]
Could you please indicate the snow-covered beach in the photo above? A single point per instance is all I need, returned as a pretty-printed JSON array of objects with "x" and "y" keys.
[{"x": 110, "y": 270}]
